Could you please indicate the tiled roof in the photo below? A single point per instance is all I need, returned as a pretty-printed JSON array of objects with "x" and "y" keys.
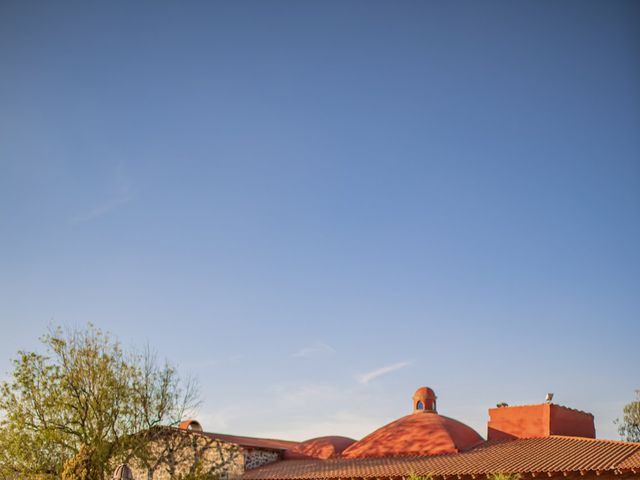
[
  {"x": 554, "y": 454},
  {"x": 253, "y": 442},
  {"x": 631, "y": 462}
]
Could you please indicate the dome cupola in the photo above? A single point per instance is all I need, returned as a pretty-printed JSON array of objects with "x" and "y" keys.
[{"x": 424, "y": 400}]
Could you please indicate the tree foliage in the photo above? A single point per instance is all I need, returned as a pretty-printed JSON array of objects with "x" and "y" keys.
[
  {"x": 81, "y": 404},
  {"x": 504, "y": 476},
  {"x": 84, "y": 466},
  {"x": 413, "y": 476},
  {"x": 629, "y": 426}
]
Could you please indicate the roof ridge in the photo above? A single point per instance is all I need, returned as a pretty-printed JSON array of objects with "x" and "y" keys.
[
  {"x": 587, "y": 439},
  {"x": 567, "y": 437},
  {"x": 251, "y": 437},
  {"x": 551, "y": 404}
]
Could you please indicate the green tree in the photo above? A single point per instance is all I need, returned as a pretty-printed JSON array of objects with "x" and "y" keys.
[
  {"x": 504, "y": 476},
  {"x": 81, "y": 405},
  {"x": 629, "y": 426},
  {"x": 413, "y": 476},
  {"x": 84, "y": 466}
]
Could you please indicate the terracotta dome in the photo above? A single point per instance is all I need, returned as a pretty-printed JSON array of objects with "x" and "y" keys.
[
  {"x": 190, "y": 424},
  {"x": 422, "y": 433},
  {"x": 321, "y": 447},
  {"x": 425, "y": 391}
]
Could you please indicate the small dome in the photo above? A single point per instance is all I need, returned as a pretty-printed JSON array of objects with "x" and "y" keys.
[
  {"x": 424, "y": 400},
  {"x": 190, "y": 424},
  {"x": 321, "y": 447}
]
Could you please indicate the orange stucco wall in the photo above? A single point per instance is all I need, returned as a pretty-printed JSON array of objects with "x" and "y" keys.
[
  {"x": 530, "y": 421},
  {"x": 566, "y": 421}
]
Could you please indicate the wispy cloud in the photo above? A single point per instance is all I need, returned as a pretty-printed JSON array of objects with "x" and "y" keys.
[
  {"x": 298, "y": 411},
  {"x": 222, "y": 418},
  {"x": 341, "y": 422},
  {"x": 121, "y": 195},
  {"x": 101, "y": 210},
  {"x": 367, "y": 377},
  {"x": 315, "y": 349}
]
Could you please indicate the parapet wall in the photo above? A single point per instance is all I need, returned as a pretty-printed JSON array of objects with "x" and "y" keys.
[{"x": 532, "y": 421}]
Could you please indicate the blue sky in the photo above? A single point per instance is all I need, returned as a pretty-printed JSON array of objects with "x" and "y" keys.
[{"x": 317, "y": 207}]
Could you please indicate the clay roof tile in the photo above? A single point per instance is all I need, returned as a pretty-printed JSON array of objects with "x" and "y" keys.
[{"x": 552, "y": 454}]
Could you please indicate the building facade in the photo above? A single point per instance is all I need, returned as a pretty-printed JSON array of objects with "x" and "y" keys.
[{"x": 530, "y": 441}]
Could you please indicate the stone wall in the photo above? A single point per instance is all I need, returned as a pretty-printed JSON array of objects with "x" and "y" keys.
[
  {"x": 174, "y": 453},
  {"x": 255, "y": 458}
]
